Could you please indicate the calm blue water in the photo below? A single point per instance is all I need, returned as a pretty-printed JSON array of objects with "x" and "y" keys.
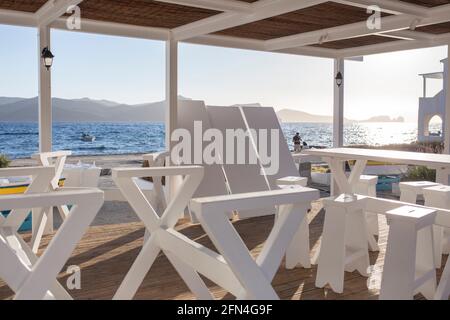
[{"x": 20, "y": 140}]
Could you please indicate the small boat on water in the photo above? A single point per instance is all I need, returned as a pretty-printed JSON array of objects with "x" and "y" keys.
[{"x": 87, "y": 137}]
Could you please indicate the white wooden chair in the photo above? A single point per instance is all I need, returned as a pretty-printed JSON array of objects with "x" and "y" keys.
[
  {"x": 344, "y": 244},
  {"x": 29, "y": 276},
  {"x": 367, "y": 186},
  {"x": 43, "y": 223},
  {"x": 409, "y": 262},
  {"x": 234, "y": 269},
  {"x": 443, "y": 290},
  {"x": 41, "y": 178},
  {"x": 411, "y": 190},
  {"x": 439, "y": 197}
]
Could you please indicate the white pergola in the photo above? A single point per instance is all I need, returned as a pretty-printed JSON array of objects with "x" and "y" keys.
[{"x": 405, "y": 25}]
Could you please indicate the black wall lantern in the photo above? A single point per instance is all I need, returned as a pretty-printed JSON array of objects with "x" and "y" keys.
[
  {"x": 47, "y": 57},
  {"x": 339, "y": 79}
]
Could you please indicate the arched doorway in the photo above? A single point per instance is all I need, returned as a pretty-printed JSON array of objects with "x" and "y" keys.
[{"x": 435, "y": 126}]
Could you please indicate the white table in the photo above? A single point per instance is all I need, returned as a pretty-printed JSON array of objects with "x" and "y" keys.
[
  {"x": 335, "y": 157},
  {"x": 233, "y": 268}
]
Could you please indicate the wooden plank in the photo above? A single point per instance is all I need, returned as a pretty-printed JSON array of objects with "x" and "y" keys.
[
  {"x": 428, "y": 3},
  {"x": 23, "y": 5},
  {"x": 355, "y": 42},
  {"x": 143, "y": 13},
  {"x": 321, "y": 16},
  {"x": 437, "y": 29}
]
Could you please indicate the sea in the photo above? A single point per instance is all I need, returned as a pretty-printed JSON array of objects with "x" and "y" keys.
[{"x": 20, "y": 140}]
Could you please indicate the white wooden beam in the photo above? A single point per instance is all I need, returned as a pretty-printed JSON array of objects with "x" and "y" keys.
[
  {"x": 116, "y": 29},
  {"x": 447, "y": 104},
  {"x": 408, "y": 35},
  {"x": 52, "y": 10},
  {"x": 388, "y": 6},
  {"x": 171, "y": 90},
  {"x": 394, "y": 46},
  {"x": 17, "y": 18},
  {"x": 218, "y": 5},
  {"x": 388, "y": 24},
  {"x": 338, "y": 105},
  {"x": 262, "y": 9},
  {"x": 338, "y": 114},
  {"x": 45, "y": 94},
  {"x": 258, "y": 45}
]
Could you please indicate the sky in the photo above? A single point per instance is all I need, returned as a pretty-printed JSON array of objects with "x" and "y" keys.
[{"x": 132, "y": 71}]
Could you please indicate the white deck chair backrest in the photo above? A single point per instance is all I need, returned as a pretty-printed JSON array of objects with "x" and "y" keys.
[
  {"x": 241, "y": 177},
  {"x": 266, "y": 118},
  {"x": 213, "y": 183}
]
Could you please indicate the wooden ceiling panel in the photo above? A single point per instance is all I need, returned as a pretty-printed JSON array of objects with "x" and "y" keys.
[
  {"x": 322, "y": 16},
  {"x": 22, "y": 5},
  {"x": 143, "y": 13},
  {"x": 439, "y": 28},
  {"x": 355, "y": 42},
  {"x": 428, "y": 3}
]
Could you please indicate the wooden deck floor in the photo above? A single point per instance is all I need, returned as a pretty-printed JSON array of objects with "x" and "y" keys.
[{"x": 106, "y": 253}]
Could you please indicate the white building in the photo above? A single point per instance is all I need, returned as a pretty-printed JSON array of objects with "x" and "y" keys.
[{"x": 430, "y": 107}]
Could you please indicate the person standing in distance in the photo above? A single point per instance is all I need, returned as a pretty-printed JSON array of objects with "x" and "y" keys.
[{"x": 297, "y": 142}]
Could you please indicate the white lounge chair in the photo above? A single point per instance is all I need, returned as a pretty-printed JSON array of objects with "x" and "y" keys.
[{"x": 238, "y": 178}]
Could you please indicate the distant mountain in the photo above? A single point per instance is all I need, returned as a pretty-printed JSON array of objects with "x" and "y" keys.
[
  {"x": 81, "y": 110},
  {"x": 6, "y": 100},
  {"x": 89, "y": 110},
  {"x": 384, "y": 119},
  {"x": 288, "y": 115}
]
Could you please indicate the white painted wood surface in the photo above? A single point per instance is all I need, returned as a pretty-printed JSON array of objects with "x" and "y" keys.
[
  {"x": 45, "y": 93},
  {"x": 32, "y": 277},
  {"x": 42, "y": 221},
  {"x": 344, "y": 244},
  {"x": 234, "y": 269},
  {"x": 367, "y": 185},
  {"x": 409, "y": 262}
]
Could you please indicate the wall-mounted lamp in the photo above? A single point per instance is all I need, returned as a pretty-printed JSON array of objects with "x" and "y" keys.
[
  {"x": 47, "y": 58},
  {"x": 339, "y": 79}
]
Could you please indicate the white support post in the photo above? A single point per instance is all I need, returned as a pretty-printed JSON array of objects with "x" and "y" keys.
[
  {"x": 171, "y": 103},
  {"x": 171, "y": 89},
  {"x": 338, "y": 114},
  {"x": 338, "y": 109},
  {"x": 447, "y": 105},
  {"x": 45, "y": 94}
]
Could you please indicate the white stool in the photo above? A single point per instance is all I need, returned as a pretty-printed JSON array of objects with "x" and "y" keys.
[
  {"x": 439, "y": 197},
  {"x": 344, "y": 241},
  {"x": 409, "y": 261},
  {"x": 409, "y": 191},
  {"x": 367, "y": 186},
  {"x": 443, "y": 290},
  {"x": 298, "y": 252},
  {"x": 292, "y": 182}
]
